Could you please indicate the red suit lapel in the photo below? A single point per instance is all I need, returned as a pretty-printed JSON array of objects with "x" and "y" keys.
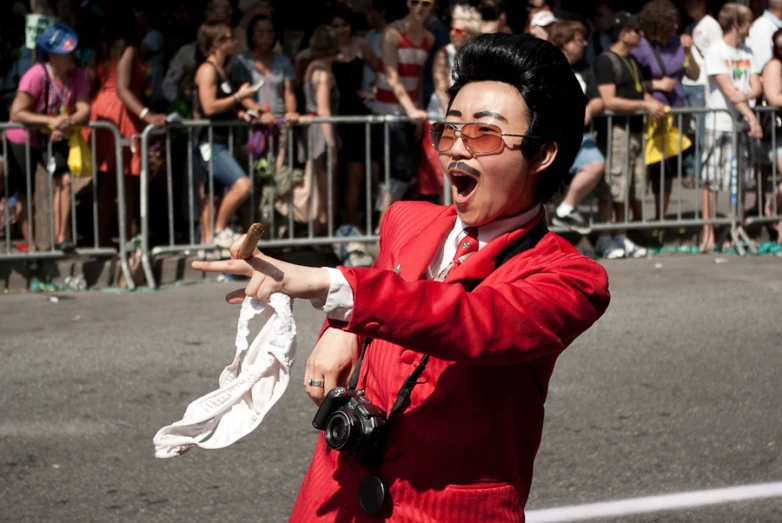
[
  {"x": 481, "y": 264},
  {"x": 416, "y": 255}
]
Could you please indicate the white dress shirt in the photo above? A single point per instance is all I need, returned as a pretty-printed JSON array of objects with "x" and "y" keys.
[{"x": 339, "y": 303}]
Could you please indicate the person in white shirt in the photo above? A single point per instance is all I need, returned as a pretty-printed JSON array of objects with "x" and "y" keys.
[
  {"x": 696, "y": 42},
  {"x": 759, "y": 39},
  {"x": 733, "y": 85}
]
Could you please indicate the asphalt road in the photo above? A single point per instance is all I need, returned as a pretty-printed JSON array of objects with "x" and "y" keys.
[{"x": 676, "y": 389}]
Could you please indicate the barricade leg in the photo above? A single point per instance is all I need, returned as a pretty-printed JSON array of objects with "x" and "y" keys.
[
  {"x": 146, "y": 263},
  {"x": 121, "y": 208},
  {"x": 7, "y": 193}
]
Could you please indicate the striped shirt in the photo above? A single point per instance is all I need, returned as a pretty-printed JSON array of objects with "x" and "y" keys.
[{"x": 411, "y": 59}]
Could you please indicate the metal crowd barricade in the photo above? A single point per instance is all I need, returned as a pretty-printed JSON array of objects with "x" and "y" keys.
[
  {"x": 766, "y": 163},
  {"x": 52, "y": 252},
  {"x": 666, "y": 220},
  {"x": 289, "y": 238},
  {"x": 663, "y": 221}
]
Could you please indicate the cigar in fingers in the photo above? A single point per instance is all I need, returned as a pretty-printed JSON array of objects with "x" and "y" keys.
[{"x": 254, "y": 234}]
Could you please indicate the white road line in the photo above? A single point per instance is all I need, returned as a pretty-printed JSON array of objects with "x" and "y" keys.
[{"x": 681, "y": 500}]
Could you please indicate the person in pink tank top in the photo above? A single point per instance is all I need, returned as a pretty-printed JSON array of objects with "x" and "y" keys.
[{"x": 405, "y": 46}]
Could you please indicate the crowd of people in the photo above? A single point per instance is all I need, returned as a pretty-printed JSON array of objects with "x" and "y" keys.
[{"x": 232, "y": 61}]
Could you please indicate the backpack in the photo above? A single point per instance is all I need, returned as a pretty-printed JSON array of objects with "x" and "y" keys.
[{"x": 616, "y": 64}]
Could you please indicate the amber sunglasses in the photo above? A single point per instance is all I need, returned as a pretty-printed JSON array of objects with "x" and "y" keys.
[{"x": 477, "y": 137}]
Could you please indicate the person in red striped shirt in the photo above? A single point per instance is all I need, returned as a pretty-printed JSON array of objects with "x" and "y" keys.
[{"x": 405, "y": 46}]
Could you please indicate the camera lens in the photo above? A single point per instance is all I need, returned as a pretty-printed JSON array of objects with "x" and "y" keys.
[{"x": 340, "y": 429}]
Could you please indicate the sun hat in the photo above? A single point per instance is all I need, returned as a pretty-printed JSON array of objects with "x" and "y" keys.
[{"x": 58, "y": 39}]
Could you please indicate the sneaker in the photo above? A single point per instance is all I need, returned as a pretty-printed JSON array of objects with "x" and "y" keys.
[
  {"x": 631, "y": 249},
  {"x": 226, "y": 238},
  {"x": 573, "y": 221},
  {"x": 608, "y": 248},
  {"x": 357, "y": 256}
]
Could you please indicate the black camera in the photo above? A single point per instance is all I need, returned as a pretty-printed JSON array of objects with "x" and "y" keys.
[{"x": 352, "y": 424}]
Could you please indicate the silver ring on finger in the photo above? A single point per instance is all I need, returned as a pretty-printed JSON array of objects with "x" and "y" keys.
[{"x": 315, "y": 383}]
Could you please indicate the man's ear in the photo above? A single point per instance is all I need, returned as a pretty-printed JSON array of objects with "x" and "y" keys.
[{"x": 544, "y": 158}]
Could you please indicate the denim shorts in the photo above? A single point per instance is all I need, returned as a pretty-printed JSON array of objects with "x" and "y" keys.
[
  {"x": 226, "y": 169},
  {"x": 587, "y": 153}
]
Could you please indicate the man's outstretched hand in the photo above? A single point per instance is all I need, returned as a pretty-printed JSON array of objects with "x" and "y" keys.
[{"x": 268, "y": 275}]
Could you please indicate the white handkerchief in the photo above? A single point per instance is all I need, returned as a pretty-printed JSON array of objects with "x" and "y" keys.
[{"x": 249, "y": 386}]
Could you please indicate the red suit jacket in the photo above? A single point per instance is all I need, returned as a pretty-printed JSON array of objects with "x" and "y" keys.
[{"x": 463, "y": 449}]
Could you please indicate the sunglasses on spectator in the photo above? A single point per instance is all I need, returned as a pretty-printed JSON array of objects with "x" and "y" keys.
[
  {"x": 477, "y": 137},
  {"x": 459, "y": 33},
  {"x": 424, "y": 3}
]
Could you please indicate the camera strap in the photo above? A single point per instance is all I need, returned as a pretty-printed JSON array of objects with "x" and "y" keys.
[
  {"x": 373, "y": 492},
  {"x": 526, "y": 242}
]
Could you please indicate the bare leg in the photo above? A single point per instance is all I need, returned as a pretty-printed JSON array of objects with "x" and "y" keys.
[
  {"x": 604, "y": 210},
  {"x": 231, "y": 202},
  {"x": 619, "y": 212},
  {"x": 584, "y": 182},
  {"x": 62, "y": 207},
  {"x": 132, "y": 189},
  {"x": 355, "y": 176},
  {"x": 604, "y": 214},
  {"x": 707, "y": 244},
  {"x": 206, "y": 222},
  {"x": 773, "y": 206},
  {"x": 636, "y": 208},
  {"x": 23, "y": 222},
  {"x": 666, "y": 202},
  {"x": 107, "y": 206},
  {"x": 322, "y": 209},
  {"x": 774, "y": 203}
]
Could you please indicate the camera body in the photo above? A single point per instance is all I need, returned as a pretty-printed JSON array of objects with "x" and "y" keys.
[{"x": 352, "y": 424}]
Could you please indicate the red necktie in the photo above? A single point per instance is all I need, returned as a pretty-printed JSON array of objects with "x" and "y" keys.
[{"x": 466, "y": 246}]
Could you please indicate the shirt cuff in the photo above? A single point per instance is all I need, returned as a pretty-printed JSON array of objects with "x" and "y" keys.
[{"x": 338, "y": 305}]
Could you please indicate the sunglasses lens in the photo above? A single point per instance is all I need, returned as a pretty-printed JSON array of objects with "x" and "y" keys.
[
  {"x": 477, "y": 137},
  {"x": 481, "y": 137},
  {"x": 443, "y": 136}
]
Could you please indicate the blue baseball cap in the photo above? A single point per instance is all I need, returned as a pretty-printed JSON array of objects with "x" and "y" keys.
[{"x": 58, "y": 39}]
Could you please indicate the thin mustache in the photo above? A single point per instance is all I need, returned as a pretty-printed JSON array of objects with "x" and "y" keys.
[{"x": 466, "y": 168}]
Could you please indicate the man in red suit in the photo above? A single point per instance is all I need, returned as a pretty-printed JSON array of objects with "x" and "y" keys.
[{"x": 468, "y": 306}]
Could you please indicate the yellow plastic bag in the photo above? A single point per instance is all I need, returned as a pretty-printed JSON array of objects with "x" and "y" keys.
[
  {"x": 663, "y": 133},
  {"x": 79, "y": 155}
]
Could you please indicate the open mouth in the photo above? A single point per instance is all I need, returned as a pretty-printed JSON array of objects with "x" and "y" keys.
[{"x": 464, "y": 184}]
